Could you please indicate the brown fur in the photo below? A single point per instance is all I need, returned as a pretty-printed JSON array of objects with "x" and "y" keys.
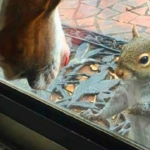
[{"x": 26, "y": 41}]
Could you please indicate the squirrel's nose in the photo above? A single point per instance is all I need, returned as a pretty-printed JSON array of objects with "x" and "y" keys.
[{"x": 119, "y": 73}]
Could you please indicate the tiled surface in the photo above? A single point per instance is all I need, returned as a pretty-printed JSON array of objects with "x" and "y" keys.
[{"x": 110, "y": 17}]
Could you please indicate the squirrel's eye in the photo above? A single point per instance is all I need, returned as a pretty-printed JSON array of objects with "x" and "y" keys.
[{"x": 144, "y": 59}]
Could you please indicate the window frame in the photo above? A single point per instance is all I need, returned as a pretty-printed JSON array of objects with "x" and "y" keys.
[{"x": 49, "y": 121}]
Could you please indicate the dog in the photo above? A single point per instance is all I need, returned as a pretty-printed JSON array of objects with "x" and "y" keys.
[{"x": 32, "y": 42}]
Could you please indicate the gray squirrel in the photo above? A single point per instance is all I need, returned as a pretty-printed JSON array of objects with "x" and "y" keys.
[{"x": 133, "y": 94}]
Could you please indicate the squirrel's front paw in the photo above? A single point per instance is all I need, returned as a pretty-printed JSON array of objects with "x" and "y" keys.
[
  {"x": 88, "y": 114},
  {"x": 140, "y": 109}
]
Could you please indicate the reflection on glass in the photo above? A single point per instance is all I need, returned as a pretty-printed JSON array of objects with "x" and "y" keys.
[{"x": 90, "y": 85}]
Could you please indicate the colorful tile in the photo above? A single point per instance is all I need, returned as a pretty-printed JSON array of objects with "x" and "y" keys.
[
  {"x": 107, "y": 16},
  {"x": 90, "y": 2},
  {"x": 134, "y": 3},
  {"x": 140, "y": 11},
  {"x": 66, "y": 13},
  {"x": 114, "y": 27},
  {"x": 85, "y": 11},
  {"x": 86, "y": 22},
  {"x": 106, "y": 3},
  {"x": 92, "y": 28},
  {"x": 142, "y": 21},
  {"x": 106, "y": 13},
  {"x": 69, "y": 4},
  {"x": 120, "y": 7},
  {"x": 125, "y": 17}
]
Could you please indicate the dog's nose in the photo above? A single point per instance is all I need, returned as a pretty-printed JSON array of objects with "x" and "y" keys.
[
  {"x": 35, "y": 84},
  {"x": 39, "y": 81},
  {"x": 32, "y": 83}
]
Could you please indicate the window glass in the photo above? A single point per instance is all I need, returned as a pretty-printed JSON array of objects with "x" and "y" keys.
[{"x": 107, "y": 78}]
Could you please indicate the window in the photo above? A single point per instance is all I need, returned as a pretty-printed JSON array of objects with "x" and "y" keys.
[{"x": 95, "y": 32}]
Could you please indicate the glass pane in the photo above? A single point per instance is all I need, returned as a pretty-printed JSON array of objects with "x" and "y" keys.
[{"x": 96, "y": 31}]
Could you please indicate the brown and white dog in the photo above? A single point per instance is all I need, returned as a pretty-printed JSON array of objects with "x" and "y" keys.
[{"x": 32, "y": 42}]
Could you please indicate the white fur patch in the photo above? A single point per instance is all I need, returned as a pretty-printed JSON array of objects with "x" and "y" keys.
[{"x": 58, "y": 34}]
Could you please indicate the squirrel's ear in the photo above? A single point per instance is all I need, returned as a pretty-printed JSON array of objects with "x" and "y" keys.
[{"x": 135, "y": 32}]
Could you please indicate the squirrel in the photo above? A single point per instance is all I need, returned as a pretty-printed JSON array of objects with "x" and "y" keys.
[{"x": 133, "y": 67}]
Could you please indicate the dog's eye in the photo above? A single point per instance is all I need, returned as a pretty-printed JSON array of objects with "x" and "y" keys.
[{"x": 144, "y": 60}]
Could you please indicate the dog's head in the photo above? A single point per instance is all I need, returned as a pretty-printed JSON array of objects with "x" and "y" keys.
[{"x": 32, "y": 44}]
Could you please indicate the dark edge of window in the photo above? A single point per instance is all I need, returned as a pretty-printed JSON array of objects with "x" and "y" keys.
[{"x": 53, "y": 124}]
